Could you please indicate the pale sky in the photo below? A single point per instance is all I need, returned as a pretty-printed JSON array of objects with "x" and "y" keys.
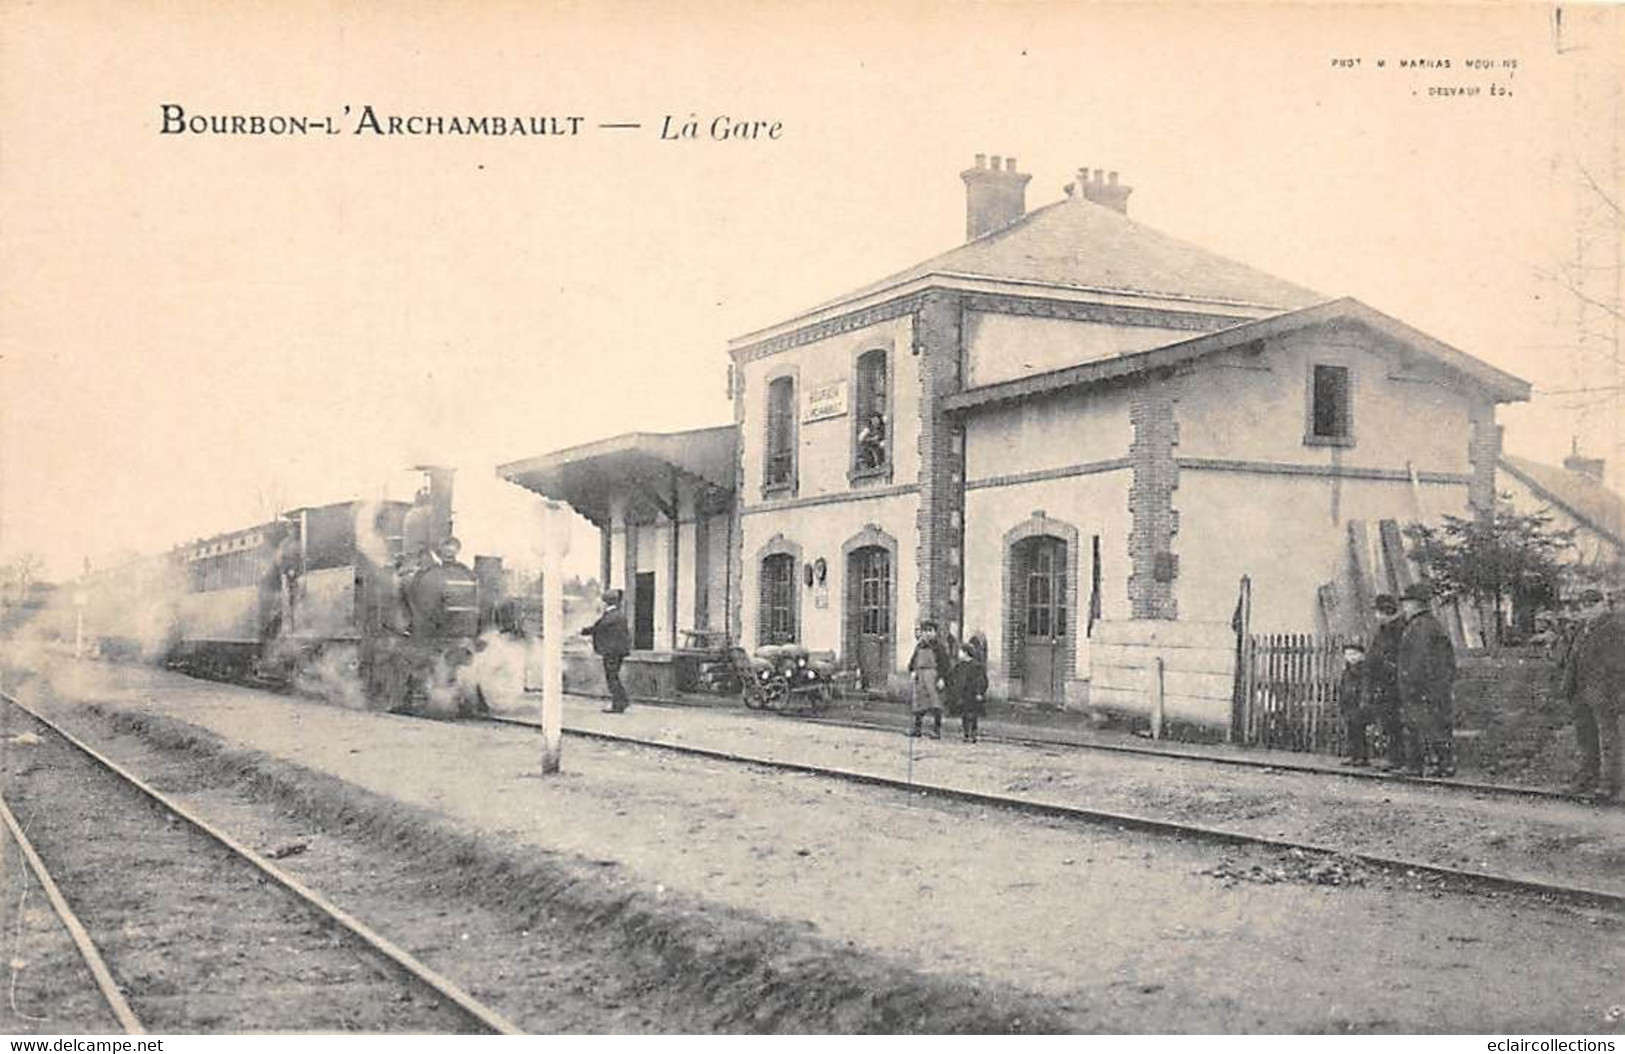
[{"x": 197, "y": 330}]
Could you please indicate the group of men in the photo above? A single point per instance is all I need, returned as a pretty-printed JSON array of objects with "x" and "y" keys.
[{"x": 1403, "y": 686}]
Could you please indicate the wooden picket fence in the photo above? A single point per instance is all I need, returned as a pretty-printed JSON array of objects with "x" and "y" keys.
[{"x": 1286, "y": 692}]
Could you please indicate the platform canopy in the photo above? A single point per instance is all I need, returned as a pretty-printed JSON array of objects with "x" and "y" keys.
[{"x": 647, "y": 467}]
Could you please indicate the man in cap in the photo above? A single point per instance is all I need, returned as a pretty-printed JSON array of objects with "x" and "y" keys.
[
  {"x": 443, "y": 595},
  {"x": 1427, "y": 674},
  {"x": 1594, "y": 684},
  {"x": 613, "y": 643},
  {"x": 1382, "y": 678}
]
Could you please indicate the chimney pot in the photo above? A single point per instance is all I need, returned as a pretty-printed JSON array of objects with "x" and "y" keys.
[
  {"x": 995, "y": 194},
  {"x": 1102, "y": 189},
  {"x": 1590, "y": 467}
]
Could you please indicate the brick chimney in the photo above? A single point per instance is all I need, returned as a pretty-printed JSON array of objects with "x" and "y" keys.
[
  {"x": 1102, "y": 189},
  {"x": 1590, "y": 467},
  {"x": 995, "y": 195}
]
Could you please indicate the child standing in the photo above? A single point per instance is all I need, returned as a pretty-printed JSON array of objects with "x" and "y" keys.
[
  {"x": 1353, "y": 690},
  {"x": 929, "y": 668},
  {"x": 967, "y": 686}
]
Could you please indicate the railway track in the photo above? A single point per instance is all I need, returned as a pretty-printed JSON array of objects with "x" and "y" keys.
[
  {"x": 1198, "y": 757},
  {"x": 1471, "y": 878},
  {"x": 290, "y": 946},
  {"x": 1453, "y": 784}
]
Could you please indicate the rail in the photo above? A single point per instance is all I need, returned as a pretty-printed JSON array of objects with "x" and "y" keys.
[
  {"x": 1131, "y": 821},
  {"x": 485, "y": 1017}
]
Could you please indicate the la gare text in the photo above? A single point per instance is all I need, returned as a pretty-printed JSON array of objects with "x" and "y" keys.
[{"x": 175, "y": 119}]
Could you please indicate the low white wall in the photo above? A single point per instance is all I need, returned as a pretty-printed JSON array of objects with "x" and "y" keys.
[{"x": 1199, "y": 669}]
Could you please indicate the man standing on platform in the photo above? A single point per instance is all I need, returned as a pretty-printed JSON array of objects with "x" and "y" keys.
[
  {"x": 1593, "y": 673},
  {"x": 1382, "y": 678},
  {"x": 1427, "y": 675},
  {"x": 613, "y": 643}
]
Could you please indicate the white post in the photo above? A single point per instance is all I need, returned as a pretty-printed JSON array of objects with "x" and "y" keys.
[
  {"x": 555, "y": 517},
  {"x": 78, "y": 624},
  {"x": 1156, "y": 698}
]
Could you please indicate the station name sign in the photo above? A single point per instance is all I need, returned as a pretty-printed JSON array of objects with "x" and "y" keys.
[{"x": 824, "y": 402}]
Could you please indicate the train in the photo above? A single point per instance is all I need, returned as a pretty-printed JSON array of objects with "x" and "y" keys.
[{"x": 366, "y": 599}]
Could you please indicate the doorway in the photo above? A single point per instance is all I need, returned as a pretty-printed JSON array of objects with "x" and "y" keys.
[
  {"x": 1040, "y": 603},
  {"x": 869, "y": 613},
  {"x": 643, "y": 611}
]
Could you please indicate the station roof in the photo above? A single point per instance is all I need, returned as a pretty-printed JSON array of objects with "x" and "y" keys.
[
  {"x": 1082, "y": 244},
  {"x": 643, "y": 463},
  {"x": 1502, "y": 386},
  {"x": 1082, "y": 247}
]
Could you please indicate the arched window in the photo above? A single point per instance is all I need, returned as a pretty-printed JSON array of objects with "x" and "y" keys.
[
  {"x": 779, "y": 462},
  {"x": 871, "y": 404},
  {"x": 776, "y": 613}
]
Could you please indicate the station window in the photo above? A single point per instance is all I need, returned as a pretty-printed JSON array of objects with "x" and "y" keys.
[
  {"x": 871, "y": 446},
  {"x": 780, "y": 455},
  {"x": 776, "y": 621},
  {"x": 1331, "y": 412}
]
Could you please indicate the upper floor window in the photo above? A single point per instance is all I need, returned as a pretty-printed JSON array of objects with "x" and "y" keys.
[
  {"x": 871, "y": 412},
  {"x": 780, "y": 456},
  {"x": 1331, "y": 412}
]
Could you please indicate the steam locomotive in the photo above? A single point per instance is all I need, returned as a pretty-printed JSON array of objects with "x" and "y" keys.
[{"x": 366, "y": 599}]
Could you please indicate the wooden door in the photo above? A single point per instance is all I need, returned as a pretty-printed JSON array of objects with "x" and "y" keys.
[
  {"x": 1044, "y": 619},
  {"x": 870, "y": 570}
]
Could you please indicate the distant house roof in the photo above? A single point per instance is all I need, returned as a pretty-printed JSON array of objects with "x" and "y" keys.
[
  {"x": 1503, "y": 386},
  {"x": 1082, "y": 246},
  {"x": 1587, "y": 500},
  {"x": 587, "y": 475}
]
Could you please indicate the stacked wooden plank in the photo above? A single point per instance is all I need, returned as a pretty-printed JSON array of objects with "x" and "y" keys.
[{"x": 1377, "y": 562}]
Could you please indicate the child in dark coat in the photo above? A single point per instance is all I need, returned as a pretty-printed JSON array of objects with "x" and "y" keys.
[
  {"x": 967, "y": 686},
  {"x": 1353, "y": 698}
]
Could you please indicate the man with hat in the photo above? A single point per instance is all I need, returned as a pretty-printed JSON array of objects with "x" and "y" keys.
[
  {"x": 613, "y": 643},
  {"x": 1427, "y": 673},
  {"x": 1382, "y": 678},
  {"x": 1594, "y": 683}
]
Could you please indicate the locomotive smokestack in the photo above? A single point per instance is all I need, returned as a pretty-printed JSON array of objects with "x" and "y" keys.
[
  {"x": 439, "y": 502},
  {"x": 429, "y": 522}
]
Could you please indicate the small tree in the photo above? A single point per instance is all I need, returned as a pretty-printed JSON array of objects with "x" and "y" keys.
[
  {"x": 1508, "y": 558},
  {"x": 18, "y": 575}
]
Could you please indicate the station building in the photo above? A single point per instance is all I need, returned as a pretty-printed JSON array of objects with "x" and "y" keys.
[{"x": 1072, "y": 433}]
